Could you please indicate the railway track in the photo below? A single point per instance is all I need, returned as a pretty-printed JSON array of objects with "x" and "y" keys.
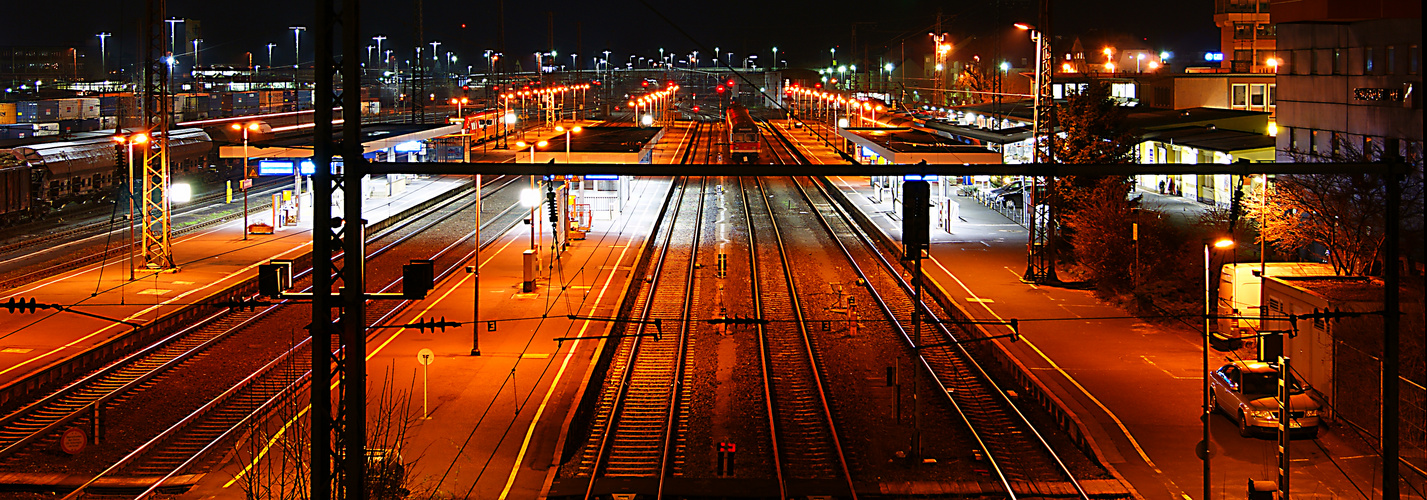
[
  {"x": 640, "y": 422},
  {"x": 1022, "y": 460},
  {"x": 805, "y": 441},
  {"x": 186, "y": 353}
]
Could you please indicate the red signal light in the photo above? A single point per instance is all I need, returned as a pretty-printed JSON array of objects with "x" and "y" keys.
[
  {"x": 817, "y": 85},
  {"x": 730, "y": 83},
  {"x": 644, "y": 83},
  {"x": 719, "y": 89},
  {"x": 696, "y": 109}
]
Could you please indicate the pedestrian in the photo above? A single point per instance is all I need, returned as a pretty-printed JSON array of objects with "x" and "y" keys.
[
  {"x": 1161, "y": 186},
  {"x": 1171, "y": 185}
]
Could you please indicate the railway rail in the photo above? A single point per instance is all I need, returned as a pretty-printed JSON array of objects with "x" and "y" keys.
[
  {"x": 639, "y": 426},
  {"x": 182, "y": 446},
  {"x": 1022, "y": 459},
  {"x": 804, "y": 437}
]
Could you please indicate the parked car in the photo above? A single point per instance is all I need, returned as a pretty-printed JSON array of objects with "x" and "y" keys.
[{"x": 1247, "y": 391}]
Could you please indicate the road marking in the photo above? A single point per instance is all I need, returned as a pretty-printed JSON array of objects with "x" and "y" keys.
[
  {"x": 574, "y": 345},
  {"x": 979, "y": 300},
  {"x": 1067, "y": 376},
  {"x": 1018, "y": 276},
  {"x": 1167, "y": 372}
]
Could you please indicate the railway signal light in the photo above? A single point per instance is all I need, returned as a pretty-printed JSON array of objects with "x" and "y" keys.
[
  {"x": 916, "y": 221},
  {"x": 119, "y": 156},
  {"x": 730, "y": 82},
  {"x": 417, "y": 278},
  {"x": 719, "y": 89}
]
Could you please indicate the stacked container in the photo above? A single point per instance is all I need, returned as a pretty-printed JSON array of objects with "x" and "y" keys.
[{"x": 7, "y": 113}]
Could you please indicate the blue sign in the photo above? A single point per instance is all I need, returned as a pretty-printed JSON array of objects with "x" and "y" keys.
[
  {"x": 601, "y": 177},
  {"x": 915, "y": 177},
  {"x": 273, "y": 167},
  {"x": 409, "y": 147}
]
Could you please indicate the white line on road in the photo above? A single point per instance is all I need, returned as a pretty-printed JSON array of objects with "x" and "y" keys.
[{"x": 1067, "y": 376}]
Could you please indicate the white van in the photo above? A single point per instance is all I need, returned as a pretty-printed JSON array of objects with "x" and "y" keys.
[{"x": 1240, "y": 286}]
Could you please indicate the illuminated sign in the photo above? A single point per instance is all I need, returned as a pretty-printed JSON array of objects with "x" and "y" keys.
[
  {"x": 601, "y": 177},
  {"x": 1213, "y": 56},
  {"x": 409, "y": 147},
  {"x": 271, "y": 167},
  {"x": 915, "y": 177}
]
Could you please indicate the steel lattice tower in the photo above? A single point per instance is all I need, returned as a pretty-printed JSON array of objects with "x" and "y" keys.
[
  {"x": 154, "y": 204},
  {"x": 338, "y": 426},
  {"x": 1039, "y": 265}
]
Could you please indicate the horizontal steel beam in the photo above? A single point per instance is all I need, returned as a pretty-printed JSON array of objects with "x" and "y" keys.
[{"x": 1036, "y": 169}]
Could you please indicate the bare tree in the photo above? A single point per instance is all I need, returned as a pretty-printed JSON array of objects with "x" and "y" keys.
[{"x": 1337, "y": 218}]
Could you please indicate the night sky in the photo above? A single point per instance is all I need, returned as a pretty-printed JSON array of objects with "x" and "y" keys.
[{"x": 803, "y": 31}]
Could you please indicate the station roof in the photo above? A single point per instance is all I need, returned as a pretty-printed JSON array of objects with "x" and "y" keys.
[
  {"x": 605, "y": 140},
  {"x": 1212, "y": 138},
  {"x": 375, "y": 137},
  {"x": 907, "y": 146}
]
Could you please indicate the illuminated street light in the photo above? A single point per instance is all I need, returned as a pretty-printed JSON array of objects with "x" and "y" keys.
[
  {"x": 255, "y": 127},
  {"x": 1221, "y": 243}
]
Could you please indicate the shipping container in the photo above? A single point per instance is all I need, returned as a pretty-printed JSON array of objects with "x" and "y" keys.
[
  {"x": 44, "y": 129},
  {"x": 372, "y": 107},
  {"x": 88, "y": 107},
  {"x": 7, "y": 113},
  {"x": 108, "y": 122},
  {"x": 66, "y": 109}
]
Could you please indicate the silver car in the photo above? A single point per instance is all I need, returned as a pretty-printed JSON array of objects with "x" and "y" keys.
[{"x": 1247, "y": 391}]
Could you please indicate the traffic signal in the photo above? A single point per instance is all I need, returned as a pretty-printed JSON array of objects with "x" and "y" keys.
[
  {"x": 719, "y": 89},
  {"x": 696, "y": 109},
  {"x": 119, "y": 156},
  {"x": 730, "y": 82},
  {"x": 644, "y": 83}
]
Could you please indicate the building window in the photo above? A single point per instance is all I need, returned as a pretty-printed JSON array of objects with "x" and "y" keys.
[
  {"x": 1413, "y": 53},
  {"x": 1269, "y": 31},
  {"x": 1292, "y": 139},
  {"x": 1240, "y": 96},
  {"x": 1243, "y": 31},
  {"x": 1367, "y": 61},
  {"x": 1338, "y": 62},
  {"x": 1368, "y": 148},
  {"x": 1244, "y": 55},
  {"x": 1313, "y": 142},
  {"x": 1272, "y": 95},
  {"x": 1391, "y": 62},
  {"x": 1256, "y": 95},
  {"x": 1337, "y": 145}
]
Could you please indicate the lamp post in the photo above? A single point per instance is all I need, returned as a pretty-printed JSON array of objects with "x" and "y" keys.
[
  {"x": 774, "y": 65},
  {"x": 254, "y": 126},
  {"x": 103, "y": 55},
  {"x": 560, "y": 128},
  {"x": 1208, "y": 314},
  {"x": 435, "y": 60},
  {"x": 172, "y": 38},
  {"x": 476, "y": 272},
  {"x": 270, "y": 54},
  {"x": 129, "y": 142},
  {"x": 296, "y": 49},
  {"x": 379, "y": 39}
]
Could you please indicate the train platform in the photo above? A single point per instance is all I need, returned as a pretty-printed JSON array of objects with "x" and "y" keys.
[
  {"x": 490, "y": 426},
  {"x": 103, "y": 302},
  {"x": 1132, "y": 385}
]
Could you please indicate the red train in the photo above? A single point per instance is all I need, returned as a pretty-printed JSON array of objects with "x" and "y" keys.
[{"x": 743, "y": 135}]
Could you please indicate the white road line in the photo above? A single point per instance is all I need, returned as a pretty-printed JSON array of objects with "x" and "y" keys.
[{"x": 1067, "y": 376}]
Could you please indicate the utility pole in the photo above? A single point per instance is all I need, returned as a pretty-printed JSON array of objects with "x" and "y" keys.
[{"x": 418, "y": 72}]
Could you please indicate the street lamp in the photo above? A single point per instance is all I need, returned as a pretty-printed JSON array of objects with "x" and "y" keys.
[
  {"x": 379, "y": 39},
  {"x": 774, "y": 65},
  {"x": 103, "y": 55},
  {"x": 1203, "y": 450},
  {"x": 561, "y": 128},
  {"x": 270, "y": 54},
  {"x": 129, "y": 142},
  {"x": 254, "y": 126},
  {"x": 296, "y": 49}
]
